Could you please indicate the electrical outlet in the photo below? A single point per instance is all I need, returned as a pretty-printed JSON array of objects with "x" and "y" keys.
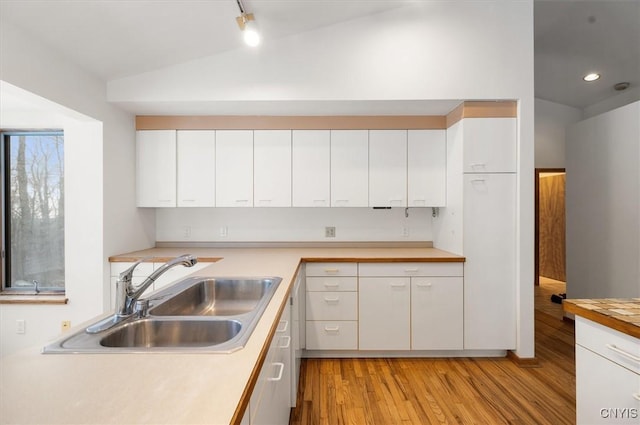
[
  {"x": 224, "y": 231},
  {"x": 330, "y": 232},
  {"x": 186, "y": 232},
  {"x": 66, "y": 325},
  {"x": 405, "y": 231},
  {"x": 20, "y": 326}
]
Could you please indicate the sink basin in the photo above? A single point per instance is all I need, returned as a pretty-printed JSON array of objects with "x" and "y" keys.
[
  {"x": 172, "y": 333},
  {"x": 216, "y": 297},
  {"x": 196, "y": 314}
]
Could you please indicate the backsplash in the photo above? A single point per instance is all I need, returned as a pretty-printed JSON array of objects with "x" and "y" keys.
[{"x": 292, "y": 224}]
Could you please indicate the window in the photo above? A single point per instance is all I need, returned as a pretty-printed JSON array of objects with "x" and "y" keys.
[{"x": 32, "y": 211}]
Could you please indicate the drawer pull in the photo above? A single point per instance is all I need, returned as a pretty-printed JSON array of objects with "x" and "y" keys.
[
  {"x": 332, "y": 300},
  {"x": 331, "y": 270},
  {"x": 288, "y": 343},
  {"x": 279, "y": 376},
  {"x": 636, "y": 396},
  {"x": 411, "y": 270},
  {"x": 424, "y": 285},
  {"x": 331, "y": 285},
  {"x": 398, "y": 285},
  {"x": 282, "y": 327},
  {"x": 623, "y": 353},
  {"x": 332, "y": 329}
]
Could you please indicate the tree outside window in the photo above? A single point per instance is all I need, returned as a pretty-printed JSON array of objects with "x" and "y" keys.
[{"x": 33, "y": 210}]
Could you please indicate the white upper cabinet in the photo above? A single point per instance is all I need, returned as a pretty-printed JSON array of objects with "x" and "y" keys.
[
  {"x": 196, "y": 168},
  {"x": 272, "y": 168},
  {"x": 156, "y": 168},
  {"x": 349, "y": 168},
  {"x": 427, "y": 168},
  {"x": 489, "y": 145},
  {"x": 388, "y": 168},
  {"x": 311, "y": 168},
  {"x": 234, "y": 168}
]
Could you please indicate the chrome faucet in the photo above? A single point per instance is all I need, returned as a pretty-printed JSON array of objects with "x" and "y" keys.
[{"x": 127, "y": 295}]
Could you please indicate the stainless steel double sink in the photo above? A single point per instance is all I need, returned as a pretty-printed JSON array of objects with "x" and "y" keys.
[{"x": 197, "y": 314}]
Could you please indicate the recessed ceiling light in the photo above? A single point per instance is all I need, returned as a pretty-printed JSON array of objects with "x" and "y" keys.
[{"x": 591, "y": 77}]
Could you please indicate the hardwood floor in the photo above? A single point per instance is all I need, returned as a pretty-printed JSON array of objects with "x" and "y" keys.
[
  {"x": 444, "y": 391},
  {"x": 543, "y": 294}
]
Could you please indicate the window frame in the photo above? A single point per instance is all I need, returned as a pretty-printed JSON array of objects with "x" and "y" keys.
[{"x": 5, "y": 215}]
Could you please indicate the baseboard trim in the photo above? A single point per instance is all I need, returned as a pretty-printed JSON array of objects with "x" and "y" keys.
[{"x": 529, "y": 362}]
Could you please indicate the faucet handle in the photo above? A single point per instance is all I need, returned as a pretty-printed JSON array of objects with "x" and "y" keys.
[{"x": 127, "y": 275}]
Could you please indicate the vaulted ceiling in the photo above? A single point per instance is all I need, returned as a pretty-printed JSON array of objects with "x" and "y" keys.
[{"x": 118, "y": 38}]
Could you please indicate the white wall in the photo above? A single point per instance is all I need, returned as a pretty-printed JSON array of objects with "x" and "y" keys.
[
  {"x": 552, "y": 120},
  {"x": 100, "y": 199},
  {"x": 429, "y": 50},
  {"x": 292, "y": 224},
  {"x": 602, "y": 199}
]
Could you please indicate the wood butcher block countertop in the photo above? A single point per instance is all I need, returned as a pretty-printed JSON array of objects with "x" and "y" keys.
[
  {"x": 621, "y": 314},
  {"x": 183, "y": 388}
]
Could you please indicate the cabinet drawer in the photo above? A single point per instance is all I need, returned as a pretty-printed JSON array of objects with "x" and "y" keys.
[
  {"x": 410, "y": 269},
  {"x": 317, "y": 284},
  {"x": 332, "y": 305},
  {"x": 332, "y": 335},
  {"x": 609, "y": 343},
  {"x": 332, "y": 269}
]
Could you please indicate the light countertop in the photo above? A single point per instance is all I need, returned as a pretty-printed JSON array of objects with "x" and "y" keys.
[
  {"x": 169, "y": 388},
  {"x": 621, "y": 314}
]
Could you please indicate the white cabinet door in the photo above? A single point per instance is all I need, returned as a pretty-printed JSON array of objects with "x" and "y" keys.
[
  {"x": 436, "y": 313},
  {"x": 272, "y": 168},
  {"x": 234, "y": 168},
  {"x": 349, "y": 168},
  {"x": 606, "y": 392},
  {"x": 311, "y": 162},
  {"x": 388, "y": 168},
  {"x": 427, "y": 168},
  {"x": 489, "y": 271},
  {"x": 384, "y": 319},
  {"x": 489, "y": 145},
  {"x": 156, "y": 168},
  {"x": 196, "y": 168}
]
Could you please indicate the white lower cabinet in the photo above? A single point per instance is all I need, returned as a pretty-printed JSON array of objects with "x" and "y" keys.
[
  {"x": 417, "y": 306},
  {"x": 331, "y": 306},
  {"x": 384, "y": 320},
  {"x": 271, "y": 398},
  {"x": 607, "y": 375},
  {"x": 436, "y": 313}
]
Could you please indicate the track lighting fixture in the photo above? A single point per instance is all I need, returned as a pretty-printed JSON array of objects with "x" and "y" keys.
[{"x": 247, "y": 23}]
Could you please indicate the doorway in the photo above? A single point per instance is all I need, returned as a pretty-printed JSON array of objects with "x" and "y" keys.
[{"x": 550, "y": 258}]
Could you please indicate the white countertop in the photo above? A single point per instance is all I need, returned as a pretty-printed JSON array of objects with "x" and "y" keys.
[{"x": 167, "y": 388}]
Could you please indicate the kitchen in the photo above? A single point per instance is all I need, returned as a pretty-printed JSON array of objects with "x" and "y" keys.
[{"x": 105, "y": 169}]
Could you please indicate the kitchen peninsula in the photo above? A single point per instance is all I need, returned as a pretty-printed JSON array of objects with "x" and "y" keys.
[{"x": 173, "y": 388}]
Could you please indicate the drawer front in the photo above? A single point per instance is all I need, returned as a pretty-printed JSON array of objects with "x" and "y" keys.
[
  {"x": 332, "y": 305},
  {"x": 332, "y": 269},
  {"x": 410, "y": 269},
  {"x": 616, "y": 346},
  {"x": 332, "y": 335},
  {"x": 330, "y": 283},
  {"x": 143, "y": 269}
]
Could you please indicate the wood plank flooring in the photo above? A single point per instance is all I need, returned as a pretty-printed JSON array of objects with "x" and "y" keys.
[
  {"x": 543, "y": 294},
  {"x": 444, "y": 391}
]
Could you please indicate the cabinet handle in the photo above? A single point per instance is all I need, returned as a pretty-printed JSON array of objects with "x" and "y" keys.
[
  {"x": 188, "y": 200},
  {"x": 636, "y": 396},
  {"x": 331, "y": 270},
  {"x": 264, "y": 201},
  {"x": 241, "y": 200},
  {"x": 424, "y": 285},
  {"x": 478, "y": 180},
  {"x": 332, "y": 329},
  {"x": 331, "y": 300},
  {"x": 623, "y": 353},
  {"x": 342, "y": 201},
  {"x": 412, "y": 270},
  {"x": 319, "y": 201},
  {"x": 285, "y": 346},
  {"x": 331, "y": 285},
  {"x": 279, "y": 377},
  {"x": 477, "y": 165},
  {"x": 284, "y": 328},
  {"x": 164, "y": 200},
  {"x": 398, "y": 285}
]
